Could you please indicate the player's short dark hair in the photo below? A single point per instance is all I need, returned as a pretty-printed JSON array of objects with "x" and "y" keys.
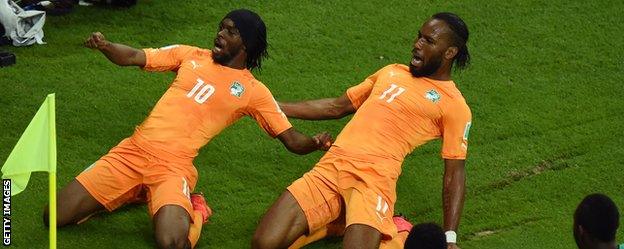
[
  {"x": 426, "y": 236},
  {"x": 253, "y": 33},
  {"x": 460, "y": 36},
  {"x": 599, "y": 217}
]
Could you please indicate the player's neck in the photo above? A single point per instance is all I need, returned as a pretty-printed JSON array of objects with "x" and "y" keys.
[
  {"x": 235, "y": 64},
  {"x": 238, "y": 62},
  {"x": 441, "y": 76},
  {"x": 443, "y": 73}
]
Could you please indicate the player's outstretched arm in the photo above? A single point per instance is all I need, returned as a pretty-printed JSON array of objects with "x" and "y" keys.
[
  {"x": 454, "y": 189},
  {"x": 319, "y": 109},
  {"x": 119, "y": 54},
  {"x": 302, "y": 144}
]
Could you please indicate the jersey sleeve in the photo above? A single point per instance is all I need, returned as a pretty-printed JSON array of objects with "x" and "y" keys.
[
  {"x": 264, "y": 109},
  {"x": 455, "y": 129},
  {"x": 167, "y": 58},
  {"x": 359, "y": 93}
]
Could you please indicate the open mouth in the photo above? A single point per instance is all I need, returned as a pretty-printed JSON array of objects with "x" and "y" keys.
[
  {"x": 417, "y": 60},
  {"x": 217, "y": 46}
]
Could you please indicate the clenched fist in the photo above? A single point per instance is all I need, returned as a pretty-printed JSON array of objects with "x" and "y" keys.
[
  {"x": 96, "y": 41},
  {"x": 323, "y": 140}
]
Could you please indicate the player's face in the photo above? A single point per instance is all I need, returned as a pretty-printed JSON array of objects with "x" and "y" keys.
[
  {"x": 429, "y": 48},
  {"x": 228, "y": 42}
]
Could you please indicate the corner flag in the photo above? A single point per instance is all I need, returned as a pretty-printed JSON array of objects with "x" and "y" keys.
[{"x": 36, "y": 151}]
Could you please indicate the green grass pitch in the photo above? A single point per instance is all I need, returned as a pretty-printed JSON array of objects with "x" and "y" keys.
[{"x": 545, "y": 88}]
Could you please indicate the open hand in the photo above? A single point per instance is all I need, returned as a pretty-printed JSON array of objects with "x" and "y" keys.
[
  {"x": 323, "y": 140},
  {"x": 96, "y": 41}
]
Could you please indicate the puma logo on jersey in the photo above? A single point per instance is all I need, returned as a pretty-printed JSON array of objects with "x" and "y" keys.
[
  {"x": 382, "y": 208},
  {"x": 465, "y": 138},
  {"x": 195, "y": 64}
]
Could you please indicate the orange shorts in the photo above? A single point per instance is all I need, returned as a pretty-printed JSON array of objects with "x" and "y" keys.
[
  {"x": 365, "y": 190},
  {"x": 129, "y": 174}
]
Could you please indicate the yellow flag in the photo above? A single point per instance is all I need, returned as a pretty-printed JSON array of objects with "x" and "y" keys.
[{"x": 35, "y": 150}]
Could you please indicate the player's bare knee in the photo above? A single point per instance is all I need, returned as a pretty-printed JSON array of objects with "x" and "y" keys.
[
  {"x": 60, "y": 220},
  {"x": 172, "y": 238},
  {"x": 262, "y": 243},
  {"x": 361, "y": 236},
  {"x": 172, "y": 241},
  {"x": 263, "y": 239},
  {"x": 257, "y": 240},
  {"x": 171, "y": 225}
]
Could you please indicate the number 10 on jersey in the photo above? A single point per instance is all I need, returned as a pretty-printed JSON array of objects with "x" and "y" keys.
[{"x": 203, "y": 94}]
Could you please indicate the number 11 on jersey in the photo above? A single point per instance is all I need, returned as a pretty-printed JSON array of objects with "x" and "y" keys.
[{"x": 391, "y": 89}]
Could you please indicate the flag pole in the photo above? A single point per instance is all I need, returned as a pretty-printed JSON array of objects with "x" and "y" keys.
[{"x": 52, "y": 172}]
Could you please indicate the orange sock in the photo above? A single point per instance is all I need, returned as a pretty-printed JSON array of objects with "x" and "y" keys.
[{"x": 195, "y": 229}]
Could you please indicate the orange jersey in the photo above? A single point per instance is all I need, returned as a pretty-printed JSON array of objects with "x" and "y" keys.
[
  {"x": 204, "y": 98},
  {"x": 397, "y": 112}
]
